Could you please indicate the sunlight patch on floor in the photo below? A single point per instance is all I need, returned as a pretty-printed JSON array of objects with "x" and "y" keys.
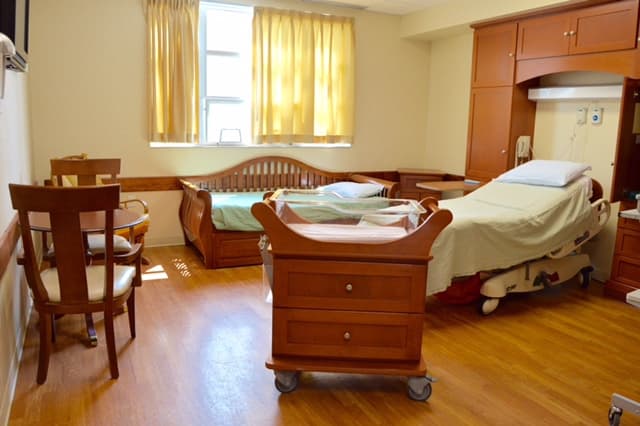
[
  {"x": 155, "y": 273},
  {"x": 181, "y": 267}
]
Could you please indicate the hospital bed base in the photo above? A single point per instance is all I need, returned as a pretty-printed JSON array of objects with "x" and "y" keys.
[{"x": 533, "y": 276}]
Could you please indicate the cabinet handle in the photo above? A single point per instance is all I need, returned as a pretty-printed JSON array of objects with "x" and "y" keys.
[
  {"x": 566, "y": 33},
  {"x": 572, "y": 33},
  {"x": 511, "y": 54},
  {"x": 504, "y": 151},
  {"x": 348, "y": 287},
  {"x": 347, "y": 336}
]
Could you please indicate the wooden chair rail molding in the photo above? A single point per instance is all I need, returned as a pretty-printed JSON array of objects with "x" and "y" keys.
[{"x": 8, "y": 241}]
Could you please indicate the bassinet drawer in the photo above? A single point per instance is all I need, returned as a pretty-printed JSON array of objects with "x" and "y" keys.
[
  {"x": 347, "y": 335},
  {"x": 358, "y": 286}
]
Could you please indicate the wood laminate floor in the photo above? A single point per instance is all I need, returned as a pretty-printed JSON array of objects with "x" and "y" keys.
[{"x": 548, "y": 358}]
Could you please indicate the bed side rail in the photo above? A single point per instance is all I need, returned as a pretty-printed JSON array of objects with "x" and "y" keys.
[{"x": 601, "y": 211}]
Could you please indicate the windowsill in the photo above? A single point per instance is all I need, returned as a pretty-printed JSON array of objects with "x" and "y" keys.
[{"x": 267, "y": 146}]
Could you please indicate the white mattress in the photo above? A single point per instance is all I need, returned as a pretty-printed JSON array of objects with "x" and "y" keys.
[{"x": 504, "y": 224}]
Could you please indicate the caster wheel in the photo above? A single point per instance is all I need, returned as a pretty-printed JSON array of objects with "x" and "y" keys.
[
  {"x": 488, "y": 305},
  {"x": 585, "y": 276},
  {"x": 614, "y": 416},
  {"x": 286, "y": 381},
  {"x": 419, "y": 388}
]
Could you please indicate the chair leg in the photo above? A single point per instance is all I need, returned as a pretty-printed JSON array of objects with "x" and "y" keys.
[
  {"x": 111, "y": 344},
  {"x": 53, "y": 328},
  {"x": 131, "y": 310},
  {"x": 45, "y": 347}
]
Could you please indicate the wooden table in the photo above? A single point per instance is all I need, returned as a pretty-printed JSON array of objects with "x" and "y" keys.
[
  {"x": 91, "y": 222},
  {"x": 441, "y": 186}
]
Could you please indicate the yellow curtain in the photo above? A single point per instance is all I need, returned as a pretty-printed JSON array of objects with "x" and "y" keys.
[
  {"x": 303, "y": 76},
  {"x": 173, "y": 68}
]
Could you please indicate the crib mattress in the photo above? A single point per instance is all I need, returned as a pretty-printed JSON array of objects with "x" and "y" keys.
[{"x": 504, "y": 224}]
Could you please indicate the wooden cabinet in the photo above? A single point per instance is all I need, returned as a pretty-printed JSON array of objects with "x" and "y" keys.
[
  {"x": 499, "y": 111},
  {"x": 348, "y": 310},
  {"x": 608, "y": 27},
  {"x": 489, "y": 132},
  {"x": 625, "y": 272},
  {"x": 410, "y": 177},
  {"x": 494, "y": 55}
]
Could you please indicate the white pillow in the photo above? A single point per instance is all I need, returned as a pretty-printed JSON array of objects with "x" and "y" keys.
[
  {"x": 353, "y": 189},
  {"x": 545, "y": 172}
]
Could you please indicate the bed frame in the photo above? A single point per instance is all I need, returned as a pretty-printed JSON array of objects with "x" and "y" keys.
[{"x": 221, "y": 249}]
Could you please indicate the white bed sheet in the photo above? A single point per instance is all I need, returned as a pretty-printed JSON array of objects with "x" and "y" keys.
[{"x": 500, "y": 225}]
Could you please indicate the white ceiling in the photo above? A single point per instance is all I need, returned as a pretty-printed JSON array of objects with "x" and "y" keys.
[{"x": 394, "y": 7}]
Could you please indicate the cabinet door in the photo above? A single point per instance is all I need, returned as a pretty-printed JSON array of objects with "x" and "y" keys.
[
  {"x": 603, "y": 28},
  {"x": 494, "y": 55},
  {"x": 544, "y": 37},
  {"x": 489, "y": 132}
]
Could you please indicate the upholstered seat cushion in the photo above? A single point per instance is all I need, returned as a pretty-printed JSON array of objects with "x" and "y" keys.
[
  {"x": 123, "y": 279},
  {"x": 96, "y": 244}
]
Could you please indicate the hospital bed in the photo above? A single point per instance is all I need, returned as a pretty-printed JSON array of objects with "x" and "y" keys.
[{"x": 524, "y": 237}]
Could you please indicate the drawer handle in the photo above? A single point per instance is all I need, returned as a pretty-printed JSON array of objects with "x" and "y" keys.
[
  {"x": 348, "y": 287},
  {"x": 347, "y": 336}
]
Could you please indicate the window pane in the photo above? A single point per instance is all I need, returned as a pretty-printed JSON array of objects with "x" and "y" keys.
[
  {"x": 227, "y": 76},
  {"x": 227, "y": 30},
  {"x": 227, "y": 117}
]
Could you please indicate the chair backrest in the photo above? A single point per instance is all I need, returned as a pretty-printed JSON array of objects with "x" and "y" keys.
[
  {"x": 87, "y": 171},
  {"x": 65, "y": 206}
]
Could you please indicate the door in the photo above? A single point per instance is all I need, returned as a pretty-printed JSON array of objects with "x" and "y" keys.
[
  {"x": 494, "y": 55},
  {"x": 604, "y": 28},
  {"x": 544, "y": 37},
  {"x": 489, "y": 132}
]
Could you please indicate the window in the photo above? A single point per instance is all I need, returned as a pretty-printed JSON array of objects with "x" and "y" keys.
[
  {"x": 225, "y": 74},
  {"x": 271, "y": 76}
]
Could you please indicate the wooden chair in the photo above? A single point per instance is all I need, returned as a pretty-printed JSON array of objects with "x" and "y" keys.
[
  {"x": 72, "y": 287},
  {"x": 79, "y": 170}
]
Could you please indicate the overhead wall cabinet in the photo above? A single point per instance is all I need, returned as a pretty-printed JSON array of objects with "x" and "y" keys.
[
  {"x": 603, "y": 28},
  {"x": 509, "y": 56}
]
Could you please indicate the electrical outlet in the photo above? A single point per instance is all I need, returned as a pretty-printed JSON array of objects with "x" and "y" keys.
[{"x": 581, "y": 116}]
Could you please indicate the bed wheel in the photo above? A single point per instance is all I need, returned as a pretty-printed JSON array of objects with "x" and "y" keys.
[
  {"x": 488, "y": 305},
  {"x": 585, "y": 276},
  {"x": 614, "y": 416},
  {"x": 419, "y": 388},
  {"x": 286, "y": 381}
]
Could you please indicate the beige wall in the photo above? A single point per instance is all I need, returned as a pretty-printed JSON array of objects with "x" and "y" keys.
[
  {"x": 88, "y": 80},
  {"x": 88, "y": 75},
  {"x": 15, "y": 167},
  {"x": 448, "y": 104}
]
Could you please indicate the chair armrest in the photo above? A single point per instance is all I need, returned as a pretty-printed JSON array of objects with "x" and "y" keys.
[
  {"x": 131, "y": 256},
  {"x": 141, "y": 203}
]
